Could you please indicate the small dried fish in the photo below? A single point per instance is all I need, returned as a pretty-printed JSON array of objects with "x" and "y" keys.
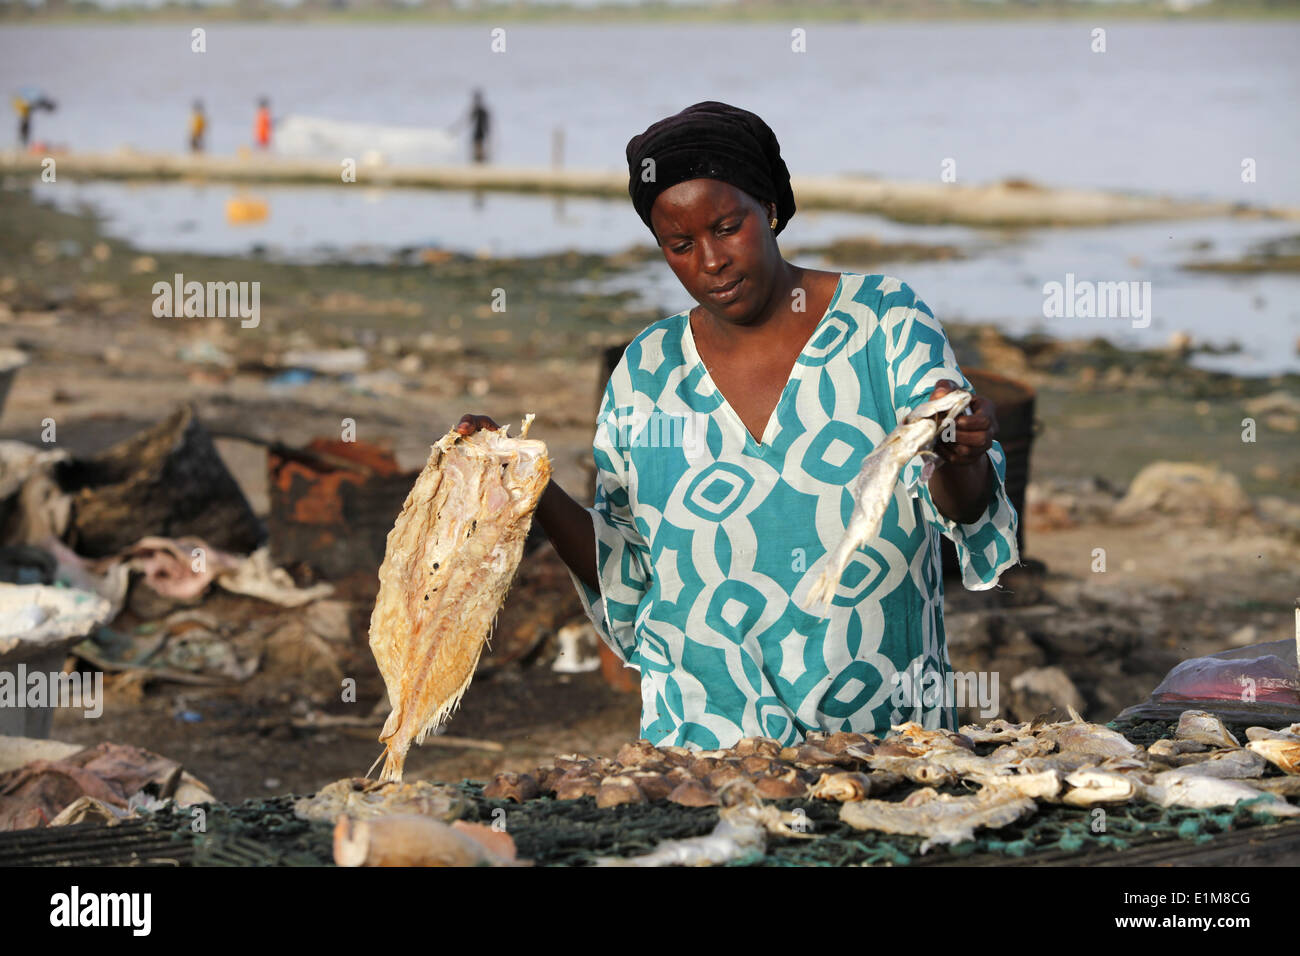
[
  {"x": 692, "y": 793},
  {"x": 740, "y": 834},
  {"x": 1043, "y": 785},
  {"x": 1282, "y": 786},
  {"x": 997, "y": 731},
  {"x": 940, "y": 818},
  {"x": 847, "y": 786},
  {"x": 1063, "y": 763},
  {"x": 364, "y": 799},
  {"x": 873, "y": 488},
  {"x": 1226, "y": 764},
  {"x": 1169, "y": 748},
  {"x": 917, "y": 769},
  {"x": 1093, "y": 786},
  {"x": 1078, "y": 736},
  {"x": 931, "y": 740},
  {"x": 1283, "y": 754},
  {"x": 1205, "y": 728},
  {"x": 409, "y": 840},
  {"x": 512, "y": 786},
  {"x": 1291, "y": 733},
  {"x": 1022, "y": 748},
  {"x": 1202, "y": 792},
  {"x": 616, "y": 791}
]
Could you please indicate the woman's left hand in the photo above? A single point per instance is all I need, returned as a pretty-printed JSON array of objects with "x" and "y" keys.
[{"x": 974, "y": 433}]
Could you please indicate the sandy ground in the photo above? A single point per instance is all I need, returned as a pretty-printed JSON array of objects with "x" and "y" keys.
[{"x": 102, "y": 367}]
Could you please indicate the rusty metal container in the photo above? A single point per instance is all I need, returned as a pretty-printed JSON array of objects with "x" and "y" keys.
[{"x": 333, "y": 504}]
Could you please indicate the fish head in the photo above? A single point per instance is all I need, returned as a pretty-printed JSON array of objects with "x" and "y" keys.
[{"x": 948, "y": 406}]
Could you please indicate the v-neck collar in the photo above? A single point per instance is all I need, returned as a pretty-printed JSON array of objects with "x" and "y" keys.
[{"x": 692, "y": 355}]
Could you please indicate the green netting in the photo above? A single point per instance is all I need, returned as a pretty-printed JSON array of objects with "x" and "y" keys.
[{"x": 576, "y": 832}]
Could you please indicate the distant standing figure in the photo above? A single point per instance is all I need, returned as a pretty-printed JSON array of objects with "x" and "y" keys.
[
  {"x": 262, "y": 125},
  {"x": 198, "y": 126},
  {"x": 480, "y": 123},
  {"x": 26, "y": 102}
]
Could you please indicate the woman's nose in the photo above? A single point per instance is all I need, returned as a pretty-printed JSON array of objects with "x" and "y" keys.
[{"x": 711, "y": 256}]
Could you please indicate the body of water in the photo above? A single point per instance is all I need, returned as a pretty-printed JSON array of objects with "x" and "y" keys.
[{"x": 1169, "y": 107}]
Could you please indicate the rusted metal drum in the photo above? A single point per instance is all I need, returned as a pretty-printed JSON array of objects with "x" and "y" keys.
[{"x": 332, "y": 509}]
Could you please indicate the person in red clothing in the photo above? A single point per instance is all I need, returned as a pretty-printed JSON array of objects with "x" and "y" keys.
[{"x": 262, "y": 125}]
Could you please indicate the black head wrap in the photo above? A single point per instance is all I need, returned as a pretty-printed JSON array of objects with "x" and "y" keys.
[{"x": 710, "y": 140}]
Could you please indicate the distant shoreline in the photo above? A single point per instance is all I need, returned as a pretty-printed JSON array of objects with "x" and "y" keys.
[{"x": 926, "y": 11}]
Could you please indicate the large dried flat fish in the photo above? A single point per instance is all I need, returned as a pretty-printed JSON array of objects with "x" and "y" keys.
[
  {"x": 940, "y": 818},
  {"x": 873, "y": 488},
  {"x": 449, "y": 561}
]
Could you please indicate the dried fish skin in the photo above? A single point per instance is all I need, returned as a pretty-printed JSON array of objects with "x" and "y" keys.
[
  {"x": 940, "y": 818},
  {"x": 1283, "y": 754},
  {"x": 1204, "y": 728},
  {"x": 449, "y": 561},
  {"x": 873, "y": 488}
]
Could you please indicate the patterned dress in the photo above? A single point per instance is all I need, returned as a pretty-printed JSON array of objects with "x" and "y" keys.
[{"x": 708, "y": 541}]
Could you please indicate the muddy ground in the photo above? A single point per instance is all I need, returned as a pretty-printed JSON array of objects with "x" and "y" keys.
[{"x": 101, "y": 366}]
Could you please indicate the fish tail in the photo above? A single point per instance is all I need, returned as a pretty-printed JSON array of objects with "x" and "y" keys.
[{"x": 393, "y": 764}]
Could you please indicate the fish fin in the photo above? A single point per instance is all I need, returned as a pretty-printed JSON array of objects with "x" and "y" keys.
[
  {"x": 381, "y": 756},
  {"x": 930, "y": 461},
  {"x": 1074, "y": 714}
]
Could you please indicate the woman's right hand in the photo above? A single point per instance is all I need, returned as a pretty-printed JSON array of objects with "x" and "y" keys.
[{"x": 469, "y": 424}]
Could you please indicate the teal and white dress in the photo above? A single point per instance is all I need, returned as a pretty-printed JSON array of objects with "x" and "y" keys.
[{"x": 708, "y": 541}]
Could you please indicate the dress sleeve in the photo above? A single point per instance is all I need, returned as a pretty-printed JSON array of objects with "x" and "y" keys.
[
  {"x": 622, "y": 555},
  {"x": 919, "y": 356}
]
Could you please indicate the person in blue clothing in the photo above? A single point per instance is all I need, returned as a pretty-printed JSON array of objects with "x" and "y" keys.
[{"x": 724, "y": 446}]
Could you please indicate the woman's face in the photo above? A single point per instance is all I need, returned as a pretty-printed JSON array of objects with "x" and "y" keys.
[{"x": 713, "y": 234}]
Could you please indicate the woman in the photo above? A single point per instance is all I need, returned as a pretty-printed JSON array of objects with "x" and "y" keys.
[{"x": 724, "y": 445}]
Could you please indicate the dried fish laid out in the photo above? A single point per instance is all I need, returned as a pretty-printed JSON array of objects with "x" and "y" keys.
[
  {"x": 740, "y": 834},
  {"x": 449, "y": 561},
  {"x": 939, "y": 817},
  {"x": 873, "y": 488},
  {"x": 1009, "y": 768}
]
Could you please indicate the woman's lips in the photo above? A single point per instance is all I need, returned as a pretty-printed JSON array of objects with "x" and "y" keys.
[{"x": 728, "y": 294}]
